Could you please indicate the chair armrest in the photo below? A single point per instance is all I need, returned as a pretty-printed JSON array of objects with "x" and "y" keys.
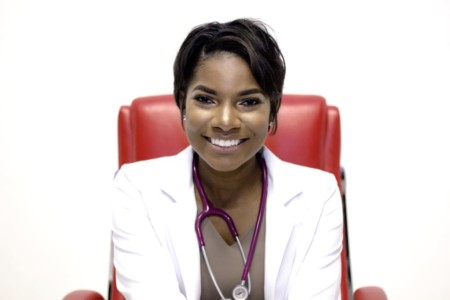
[
  {"x": 369, "y": 293},
  {"x": 83, "y": 295}
]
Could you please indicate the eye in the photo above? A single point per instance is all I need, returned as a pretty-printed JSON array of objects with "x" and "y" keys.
[
  {"x": 251, "y": 102},
  {"x": 203, "y": 99}
]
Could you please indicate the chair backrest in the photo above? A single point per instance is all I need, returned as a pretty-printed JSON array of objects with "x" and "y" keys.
[{"x": 308, "y": 133}]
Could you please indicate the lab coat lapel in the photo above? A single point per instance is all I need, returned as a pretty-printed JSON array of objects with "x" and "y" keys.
[
  {"x": 179, "y": 187},
  {"x": 282, "y": 227},
  {"x": 278, "y": 228}
]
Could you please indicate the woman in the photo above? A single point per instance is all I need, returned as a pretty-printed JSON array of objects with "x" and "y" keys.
[{"x": 228, "y": 86}]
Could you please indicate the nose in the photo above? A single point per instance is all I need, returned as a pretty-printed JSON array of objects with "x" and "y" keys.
[{"x": 226, "y": 118}]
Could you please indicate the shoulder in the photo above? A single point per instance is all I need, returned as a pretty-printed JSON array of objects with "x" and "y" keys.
[
  {"x": 155, "y": 170},
  {"x": 299, "y": 188},
  {"x": 301, "y": 194},
  {"x": 296, "y": 175},
  {"x": 154, "y": 185}
]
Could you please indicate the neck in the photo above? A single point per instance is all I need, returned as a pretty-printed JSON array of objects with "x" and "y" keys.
[{"x": 230, "y": 189}]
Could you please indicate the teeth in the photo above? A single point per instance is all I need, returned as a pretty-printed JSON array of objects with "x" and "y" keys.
[{"x": 224, "y": 143}]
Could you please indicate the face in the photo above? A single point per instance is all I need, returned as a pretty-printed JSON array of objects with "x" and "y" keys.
[{"x": 227, "y": 114}]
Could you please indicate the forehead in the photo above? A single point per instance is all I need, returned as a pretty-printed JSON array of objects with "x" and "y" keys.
[{"x": 223, "y": 70}]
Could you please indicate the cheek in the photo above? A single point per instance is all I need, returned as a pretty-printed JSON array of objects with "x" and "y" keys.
[
  {"x": 258, "y": 123},
  {"x": 195, "y": 120}
]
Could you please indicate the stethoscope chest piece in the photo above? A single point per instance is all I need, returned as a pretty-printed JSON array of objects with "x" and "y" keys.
[{"x": 240, "y": 292}]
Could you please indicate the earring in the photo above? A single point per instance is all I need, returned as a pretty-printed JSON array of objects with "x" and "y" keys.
[{"x": 184, "y": 117}]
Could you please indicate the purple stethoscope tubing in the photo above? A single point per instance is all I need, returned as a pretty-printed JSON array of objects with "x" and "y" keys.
[{"x": 209, "y": 210}]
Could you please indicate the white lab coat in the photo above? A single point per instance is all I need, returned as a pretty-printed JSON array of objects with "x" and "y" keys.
[{"x": 156, "y": 253}]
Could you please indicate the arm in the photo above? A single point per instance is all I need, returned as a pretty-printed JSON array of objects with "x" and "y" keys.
[{"x": 144, "y": 268}]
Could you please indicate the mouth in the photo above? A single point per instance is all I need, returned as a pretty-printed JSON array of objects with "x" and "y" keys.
[{"x": 225, "y": 143}]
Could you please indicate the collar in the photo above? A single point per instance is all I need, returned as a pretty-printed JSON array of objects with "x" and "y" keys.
[{"x": 177, "y": 187}]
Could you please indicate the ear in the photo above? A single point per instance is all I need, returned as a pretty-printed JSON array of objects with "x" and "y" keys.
[
  {"x": 272, "y": 126},
  {"x": 183, "y": 120},
  {"x": 181, "y": 102}
]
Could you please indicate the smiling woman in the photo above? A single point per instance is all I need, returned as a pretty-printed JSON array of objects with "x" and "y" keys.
[
  {"x": 228, "y": 86},
  {"x": 227, "y": 113}
]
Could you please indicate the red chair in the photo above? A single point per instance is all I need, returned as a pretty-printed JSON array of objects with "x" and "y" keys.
[{"x": 308, "y": 133}]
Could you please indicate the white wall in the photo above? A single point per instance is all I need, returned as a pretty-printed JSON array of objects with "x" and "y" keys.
[{"x": 67, "y": 66}]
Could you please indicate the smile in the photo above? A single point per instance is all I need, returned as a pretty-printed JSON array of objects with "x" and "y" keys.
[{"x": 225, "y": 143}]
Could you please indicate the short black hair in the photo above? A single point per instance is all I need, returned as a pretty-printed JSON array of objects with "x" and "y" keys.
[{"x": 247, "y": 38}]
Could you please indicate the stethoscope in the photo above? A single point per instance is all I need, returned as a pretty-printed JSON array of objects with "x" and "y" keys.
[{"x": 243, "y": 289}]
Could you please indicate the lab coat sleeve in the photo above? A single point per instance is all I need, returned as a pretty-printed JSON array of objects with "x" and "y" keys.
[
  {"x": 318, "y": 277},
  {"x": 144, "y": 269}
]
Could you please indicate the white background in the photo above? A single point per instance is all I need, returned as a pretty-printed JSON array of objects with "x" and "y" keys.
[{"x": 67, "y": 66}]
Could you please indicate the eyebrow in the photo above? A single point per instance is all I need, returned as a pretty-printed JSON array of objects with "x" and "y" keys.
[
  {"x": 203, "y": 88},
  {"x": 208, "y": 90}
]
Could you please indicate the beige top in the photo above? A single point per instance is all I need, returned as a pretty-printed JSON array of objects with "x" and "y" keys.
[{"x": 227, "y": 264}]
